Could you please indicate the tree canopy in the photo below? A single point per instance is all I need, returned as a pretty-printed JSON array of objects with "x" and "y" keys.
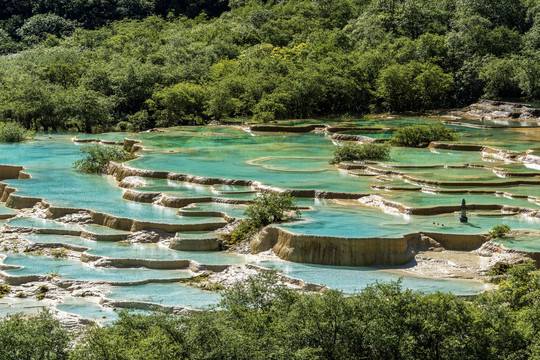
[
  {"x": 160, "y": 63},
  {"x": 261, "y": 319}
]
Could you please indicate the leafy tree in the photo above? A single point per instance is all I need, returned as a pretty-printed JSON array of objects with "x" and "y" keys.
[
  {"x": 38, "y": 26},
  {"x": 266, "y": 209},
  {"x": 25, "y": 99},
  {"x": 528, "y": 75},
  {"x": 181, "y": 103},
  {"x": 422, "y": 135},
  {"x": 34, "y": 337},
  {"x": 86, "y": 110},
  {"x": 96, "y": 157},
  {"x": 261, "y": 318},
  {"x": 499, "y": 76},
  {"x": 173, "y": 62},
  {"x": 414, "y": 86},
  {"x": 360, "y": 152},
  {"x": 13, "y": 132},
  {"x": 499, "y": 231}
]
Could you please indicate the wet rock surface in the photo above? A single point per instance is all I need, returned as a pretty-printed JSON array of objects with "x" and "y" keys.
[
  {"x": 498, "y": 110},
  {"x": 143, "y": 237}
]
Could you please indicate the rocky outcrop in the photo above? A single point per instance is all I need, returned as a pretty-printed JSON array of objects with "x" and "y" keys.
[
  {"x": 498, "y": 110},
  {"x": 133, "y": 225},
  {"x": 158, "y": 198},
  {"x": 283, "y": 128},
  {"x": 97, "y": 141},
  {"x": 336, "y": 129},
  {"x": 81, "y": 217},
  {"x": 304, "y": 285},
  {"x": 135, "y": 263},
  {"x": 132, "y": 182},
  {"x": 5, "y": 192},
  {"x": 22, "y": 279},
  {"x": 143, "y": 237},
  {"x": 39, "y": 246},
  {"x": 20, "y": 202},
  {"x": 191, "y": 265},
  {"x": 141, "y": 305},
  {"x": 120, "y": 172},
  {"x": 330, "y": 250},
  {"x": 359, "y": 138},
  {"x": 12, "y": 172},
  {"x": 209, "y": 244}
]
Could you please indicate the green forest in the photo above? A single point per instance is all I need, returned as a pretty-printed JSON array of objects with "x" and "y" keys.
[
  {"x": 262, "y": 320},
  {"x": 92, "y": 66}
]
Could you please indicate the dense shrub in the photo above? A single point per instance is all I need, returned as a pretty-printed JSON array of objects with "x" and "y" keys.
[
  {"x": 499, "y": 231},
  {"x": 34, "y": 337},
  {"x": 260, "y": 318},
  {"x": 270, "y": 208},
  {"x": 361, "y": 152},
  {"x": 266, "y": 209},
  {"x": 4, "y": 289},
  {"x": 12, "y": 132},
  {"x": 422, "y": 135},
  {"x": 95, "y": 157}
]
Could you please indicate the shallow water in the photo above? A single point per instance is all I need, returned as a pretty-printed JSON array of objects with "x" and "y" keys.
[
  {"x": 353, "y": 279},
  {"x": 521, "y": 242},
  {"x": 49, "y": 161},
  {"x": 6, "y": 211},
  {"x": 87, "y": 309},
  {"x": 10, "y": 306},
  {"x": 74, "y": 269},
  {"x": 139, "y": 251},
  {"x": 508, "y": 139},
  {"x": 289, "y": 161},
  {"x": 414, "y": 199},
  {"x": 354, "y": 221},
  {"x": 43, "y": 224},
  {"x": 112, "y": 136},
  {"x": 231, "y": 210},
  {"x": 167, "y": 294}
]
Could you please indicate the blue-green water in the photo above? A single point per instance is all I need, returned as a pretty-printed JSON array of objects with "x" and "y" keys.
[
  {"x": 139, "y": 251},
  {"x": 87, "y": 309},
  {"x": 354, "y": 221},
  {"x": 10, "y": 306},
  {"x": 289, "y": 161},
  {"x": 521, "y": 242},
  {"x": 231, "y": 210},
  {"x": 167, "y": 294},
  {"x": 49, "y": 161},
  {"x": 353, "y": 279},
  {"x": 73, "y": 269}
]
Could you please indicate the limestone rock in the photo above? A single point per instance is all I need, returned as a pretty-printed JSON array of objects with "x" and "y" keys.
[{"x": 143, "y": 236}]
